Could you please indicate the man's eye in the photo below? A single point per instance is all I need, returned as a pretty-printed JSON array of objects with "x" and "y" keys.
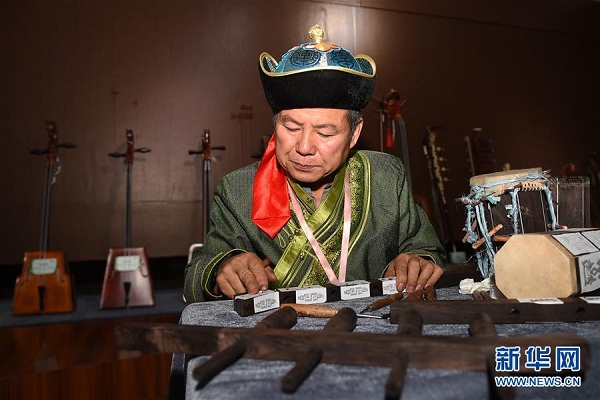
[{"x": 292, "y": 128}]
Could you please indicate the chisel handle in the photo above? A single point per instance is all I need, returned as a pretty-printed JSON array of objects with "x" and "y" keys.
[
  {"x": 376, "y": 305},
  {"x": 312, "y": 310}
]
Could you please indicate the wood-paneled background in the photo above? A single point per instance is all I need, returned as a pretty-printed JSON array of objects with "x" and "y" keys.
[{"x": 525, "y": 72}]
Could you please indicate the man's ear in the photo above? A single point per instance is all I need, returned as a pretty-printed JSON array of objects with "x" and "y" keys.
[{"x": 356, "y": 133}]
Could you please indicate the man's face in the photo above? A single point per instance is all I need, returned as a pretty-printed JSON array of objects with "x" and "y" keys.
[{"x": 312, "y": 143}]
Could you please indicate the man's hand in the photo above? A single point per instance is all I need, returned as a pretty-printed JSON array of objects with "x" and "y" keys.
[
  {"x": 244, "y": 273},
  {"x": 413, "y": 272}
]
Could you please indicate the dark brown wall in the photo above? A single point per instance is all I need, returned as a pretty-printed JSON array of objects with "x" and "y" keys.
[{"x": 169, "y": 70}]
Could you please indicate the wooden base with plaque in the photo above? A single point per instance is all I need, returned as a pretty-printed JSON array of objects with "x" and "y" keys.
[
  {"x": 44, "y": 286},
  {"x": 127, "y": 281}
]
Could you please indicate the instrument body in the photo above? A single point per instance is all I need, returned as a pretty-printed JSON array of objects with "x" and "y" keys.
[
  {"x": 532, "y": 207},
  {"x": 127, "y": 281},
  {"x": 37, "y": 293},
  {"x": 573, "y": 201},
  {"x": 44, "y": 285},
  {"x": 502, "y": 204}
]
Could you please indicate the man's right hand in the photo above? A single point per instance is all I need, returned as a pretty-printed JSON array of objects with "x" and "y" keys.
[{"x": 244, "y": 273}]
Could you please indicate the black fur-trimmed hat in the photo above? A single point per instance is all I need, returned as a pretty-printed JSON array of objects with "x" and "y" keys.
[{"x": 317, "y": 75}]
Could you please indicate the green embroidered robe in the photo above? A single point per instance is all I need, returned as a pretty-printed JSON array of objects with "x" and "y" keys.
[{"x": 385, "y": 223}]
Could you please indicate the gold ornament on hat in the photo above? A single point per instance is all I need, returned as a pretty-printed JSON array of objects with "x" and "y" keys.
[{"x": 317, "y": 34}]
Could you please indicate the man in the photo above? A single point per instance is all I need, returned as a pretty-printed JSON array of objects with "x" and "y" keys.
[{"x": 314, "y": 211}]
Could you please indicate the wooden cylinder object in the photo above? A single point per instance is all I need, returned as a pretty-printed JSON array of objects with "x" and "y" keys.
[{"x": 549, "y": 264}]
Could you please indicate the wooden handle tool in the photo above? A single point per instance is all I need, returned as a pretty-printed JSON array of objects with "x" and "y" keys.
[
  {"x": 315, "y": 311},
  {"x": 376, "y": 305}
]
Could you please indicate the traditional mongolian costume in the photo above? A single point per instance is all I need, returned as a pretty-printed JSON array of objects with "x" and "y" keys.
[{"x": 366, "y": 218}]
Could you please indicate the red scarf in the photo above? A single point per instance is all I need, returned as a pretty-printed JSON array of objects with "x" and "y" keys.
[{"x": 270, "y": 201}]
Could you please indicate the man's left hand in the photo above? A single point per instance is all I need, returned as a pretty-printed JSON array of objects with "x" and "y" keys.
[{"x": 413, "y": 272}]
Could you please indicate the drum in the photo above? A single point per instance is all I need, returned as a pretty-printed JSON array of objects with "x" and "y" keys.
[{"x": 502, "y": 204}]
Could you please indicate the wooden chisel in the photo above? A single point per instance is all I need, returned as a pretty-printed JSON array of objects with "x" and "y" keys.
[
  {"x": 315, "y": 311},
  {"x": 376, "y": 305}
]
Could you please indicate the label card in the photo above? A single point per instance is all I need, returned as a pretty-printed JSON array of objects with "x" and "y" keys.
[
  {"x": 593, "y": 236},
  {"x": 308, "y": 294},
  {"x": 576, "y": 243},
  {"x": 127, "y": 263},
  {"x": 388, "y": 285},
  {"x": 542, "y": 300},
  {"x": 266, "y": 301},
  {"x": 591, "y": 299},
  {"x": 263, "y": 301},
  {"x": 354, "y": 290},
  {"x": 43, "y": 266}
]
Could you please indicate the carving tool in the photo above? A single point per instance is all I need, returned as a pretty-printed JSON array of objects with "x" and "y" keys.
[
  {"x": 376, "y": 305},
  {"x": 315, "y": 311}
]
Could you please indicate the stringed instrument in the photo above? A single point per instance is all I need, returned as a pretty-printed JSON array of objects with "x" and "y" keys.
[
  {"x": 44, "y": 285},
  {"x": 206, "y": 163},
  {"x": 127, "y": 280},
  {"x": 480, "y": 153},
  {"x": 437, "y": 175}
]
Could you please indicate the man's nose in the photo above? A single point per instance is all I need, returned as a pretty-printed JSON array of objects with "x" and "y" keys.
[{"x": 306, "y": 145}]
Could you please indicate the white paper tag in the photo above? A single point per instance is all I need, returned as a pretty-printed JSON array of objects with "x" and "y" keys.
[
  {"x": 307, "y": 294},
  {"x": 542, "y": 300},
  {"x": 354, "y": 290},
  {"x": 43, "y": 266},
  {"x": 589, "y": 271},
  {"x": 311, "y": 294},
  {"x": 263, "y": 301},
  {"x": 593, "y": 236},
  {"x": 575, "y": 243},
  {"x": 266, "y": 301},
  {"x": 388, "y": 285},
  {"x": 591, "y": 299},
  {"x": 127, "y": 263}
]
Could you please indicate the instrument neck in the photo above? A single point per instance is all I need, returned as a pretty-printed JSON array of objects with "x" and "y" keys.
[
  {"x": 46, "y": 208},
  {"x": 206, "y": 199},
  {"x": 128, "y": 215}
]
